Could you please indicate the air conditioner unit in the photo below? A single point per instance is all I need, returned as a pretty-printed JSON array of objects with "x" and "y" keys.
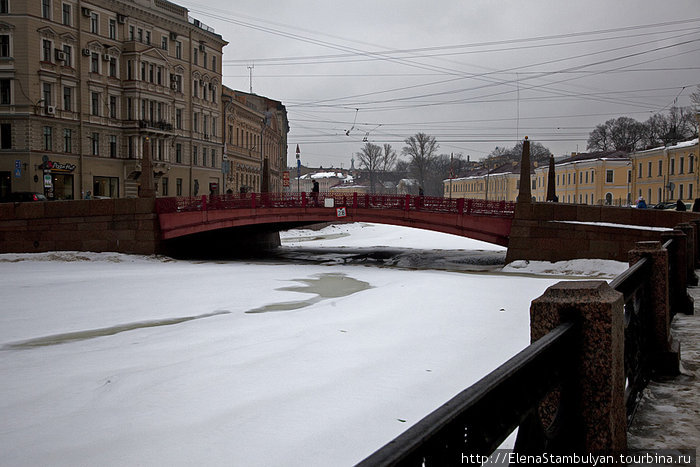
[
  {"x": 50, "y": 110},
  {"x": 121, "y": 19},
  {"x": 86, "y": 11},
  {"x": 173, "y": 36},
  {"x": 202, "y": 48},
  {"x": 86, "y": 52},
  {"x": 106, "y": 57},
  {"x": 60, "y": 55}
]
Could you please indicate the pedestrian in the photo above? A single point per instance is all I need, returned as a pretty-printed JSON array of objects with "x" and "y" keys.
[
  {"x": 420, "y": 191},
  {"x": 641, "y": 204},
  {"x": 696, "y": 205},
  {"x": 680, "y": 205},
  {"x": 314, "y": 192}
]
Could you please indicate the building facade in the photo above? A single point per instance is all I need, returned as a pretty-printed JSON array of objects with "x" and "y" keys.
[
  {"x": 255, "y": 149},
  {"x": 667, "y": 173},
  {"x": 84, "y": 84}
]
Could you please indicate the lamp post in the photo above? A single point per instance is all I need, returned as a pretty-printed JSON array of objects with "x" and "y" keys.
[{"x": 298, "y": 169}]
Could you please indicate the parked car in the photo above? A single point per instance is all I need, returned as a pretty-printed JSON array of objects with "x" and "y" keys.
[{"x": 23, "y": 196}]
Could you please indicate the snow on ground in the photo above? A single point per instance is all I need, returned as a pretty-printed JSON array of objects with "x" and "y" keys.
[{"x": 116, "y": 360}]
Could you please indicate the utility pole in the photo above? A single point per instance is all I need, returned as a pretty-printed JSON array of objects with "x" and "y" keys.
[{"x": 250, "y": 73}]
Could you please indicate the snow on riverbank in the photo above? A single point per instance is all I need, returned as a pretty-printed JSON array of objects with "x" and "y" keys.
[{"x": 110, "y": 359}]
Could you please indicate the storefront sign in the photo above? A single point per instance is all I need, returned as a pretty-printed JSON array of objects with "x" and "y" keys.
[
  {"x": 48, "y": 183},
  {"x": 58, "y": 166}
]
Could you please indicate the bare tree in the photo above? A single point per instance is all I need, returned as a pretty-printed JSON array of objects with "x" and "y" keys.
[
  {"x": 388, "y": 158},
  {"x": 371, "y": 159},
  {"x": 621, "y": 134},
  {"x": 421, "y": 149},
  {"x": 600, "y": 139}
]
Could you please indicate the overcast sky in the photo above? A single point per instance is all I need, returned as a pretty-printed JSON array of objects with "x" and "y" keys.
[{"x": 475, "y": 74}]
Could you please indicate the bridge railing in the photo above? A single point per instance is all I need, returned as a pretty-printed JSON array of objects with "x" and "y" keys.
[
  {"x": 576, "y": 387},
  {"x": 473, "y": 207}
]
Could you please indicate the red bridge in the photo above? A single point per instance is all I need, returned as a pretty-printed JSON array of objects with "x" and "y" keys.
[{"x": 489, "y": 221}]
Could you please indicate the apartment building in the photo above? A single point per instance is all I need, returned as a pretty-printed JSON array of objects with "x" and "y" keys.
[
  {"x": 667, "y": 173},
  {"x": 255, "y": 150},
  {"x": 83, "y": 85},
  {"x": 499, "y": 183}
]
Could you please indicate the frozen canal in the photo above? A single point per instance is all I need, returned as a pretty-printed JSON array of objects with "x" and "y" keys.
[{"x": 109, "y": 359}]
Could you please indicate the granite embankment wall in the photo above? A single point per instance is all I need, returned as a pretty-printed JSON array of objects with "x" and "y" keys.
[
  {"x": 557, "y": 232},
  {"x": 119, "y": 225}
]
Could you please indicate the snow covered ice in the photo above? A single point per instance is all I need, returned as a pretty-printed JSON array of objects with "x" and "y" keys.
[{"x": 109, "y": 359}]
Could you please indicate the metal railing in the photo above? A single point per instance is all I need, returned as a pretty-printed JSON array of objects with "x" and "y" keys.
[{"x": 473, "y": 207}]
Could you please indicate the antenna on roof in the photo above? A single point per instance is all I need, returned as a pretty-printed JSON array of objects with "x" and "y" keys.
[{"x": 250, "y": 72}]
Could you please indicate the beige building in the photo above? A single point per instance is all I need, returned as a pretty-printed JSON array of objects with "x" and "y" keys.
[
  {"x": 84, "y": 83},
  {"x": 497, "y": 184},
  {"x": 667, "y": 173},
  {"x": 255, "y": 151}
]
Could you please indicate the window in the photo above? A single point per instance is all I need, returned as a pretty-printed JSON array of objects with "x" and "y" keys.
[
  {"x": 68, "y": 52},
  {"x": 195, "y": 89},
  {"x": 143, "y": 71},
  {"x": 178, "y": 187},
  {"x": 95, "y": 63},
  {"x": 4, "y": 6},
  {"x": 94, "y": 23},
  {"x": 5, "y": 93},
  {"x": 5, "y": 136},
  {"x": 195, "y": 156},
  {"x": 213, "y": 62},
  {"x": 178, "y": 153},
  {"x": 178, "y": 119},
  {"x": 164, "y": 42},
  {"x": 112, "y": 146},
  {"x": 139, "y": 34},
  {"x": 148, "y": 37},
  {"x": 649, "y": 170},
  {"x": 213, "y": 126},
  {"x": 113, "y": 67},
  {"x": 105, "y": 186},
  {"x": 586, "y": 177},
  {"x": 592, "y": 176},
  {"x": 195, "y": 56},
  {"x": 640, "y": 171},
  {"x": 46, "y": 94},
  {"x": 164, "y": 182},
  {"x": 112, "y": 28},
  {"x": 629, "y": 176},
  {"x": 46, "y": 9},
  {"x": 150, "y": 73},
  {"x": 67, "y": 140},
  {"x": 131, "y": 33},
  {"x": 690, "y": 191},
  {"x": 95, "y": 144},
  {"x": 213, "y": 157},
  {"x": 95, "y": 103},
  {"x": 204, "y": 157},
  {"x": 46, "y": 50},
  {"x": 672, "y": 170},
  {"x": 66, "y": 14},
  {"x": 113, "y": 106},
  {"x": 4, "y": 45},
  {"x": 178, "y": 49},
  {"x": 680, "y": 191},
  {"x": 681, "y": 163},
  {"x": 691, "y": 166},
  {"x": 130, "y": 146},
  {"x": 195, "y": 122},
  {"x": 48, "y": 138},
  {"x": 609, "y": 176},
  {"x": 129, "y": 108},
  {"x": 159, "y": 75},
  {"x": 661, "y": 168},
  {"x": 160, "y": 145},
  {"x": 67, "y": 98}
]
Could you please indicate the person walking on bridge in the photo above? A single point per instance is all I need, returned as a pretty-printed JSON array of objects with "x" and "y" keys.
[{"x": 314, "y": 192}]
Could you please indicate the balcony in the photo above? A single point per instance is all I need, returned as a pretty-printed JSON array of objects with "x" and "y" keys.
[{"x": 156, "y": 125}]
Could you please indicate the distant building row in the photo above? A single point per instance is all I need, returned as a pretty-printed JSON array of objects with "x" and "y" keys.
[
  {"x": 83, "y": 84},
  {"x": 601, "y": 178}
]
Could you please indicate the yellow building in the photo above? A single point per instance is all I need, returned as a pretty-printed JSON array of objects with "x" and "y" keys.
[
  {"x": 666, "y": 173},
  {"x": 498, "y": 184},
  {"x": 590, "y": 178}
]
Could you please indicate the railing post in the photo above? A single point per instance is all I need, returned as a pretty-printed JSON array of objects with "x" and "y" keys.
[
  {"x": 666, "y": 353},
  {"x": 599, "y": 393},
  {"x": 303, "y": 199},
  {"x": 460, "y": 206},
  {"x": 689, "y": 232},
  {"x": 407, "y": 203},
  {"x": 204, "y": 202},
  {"x": 696, "y": 224},
  {"x": 354, "y": 200},
  {"x": 679, "y": 299}
]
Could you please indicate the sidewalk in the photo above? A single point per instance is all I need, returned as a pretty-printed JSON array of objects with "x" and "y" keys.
[{"x": 668, "y": 416}]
